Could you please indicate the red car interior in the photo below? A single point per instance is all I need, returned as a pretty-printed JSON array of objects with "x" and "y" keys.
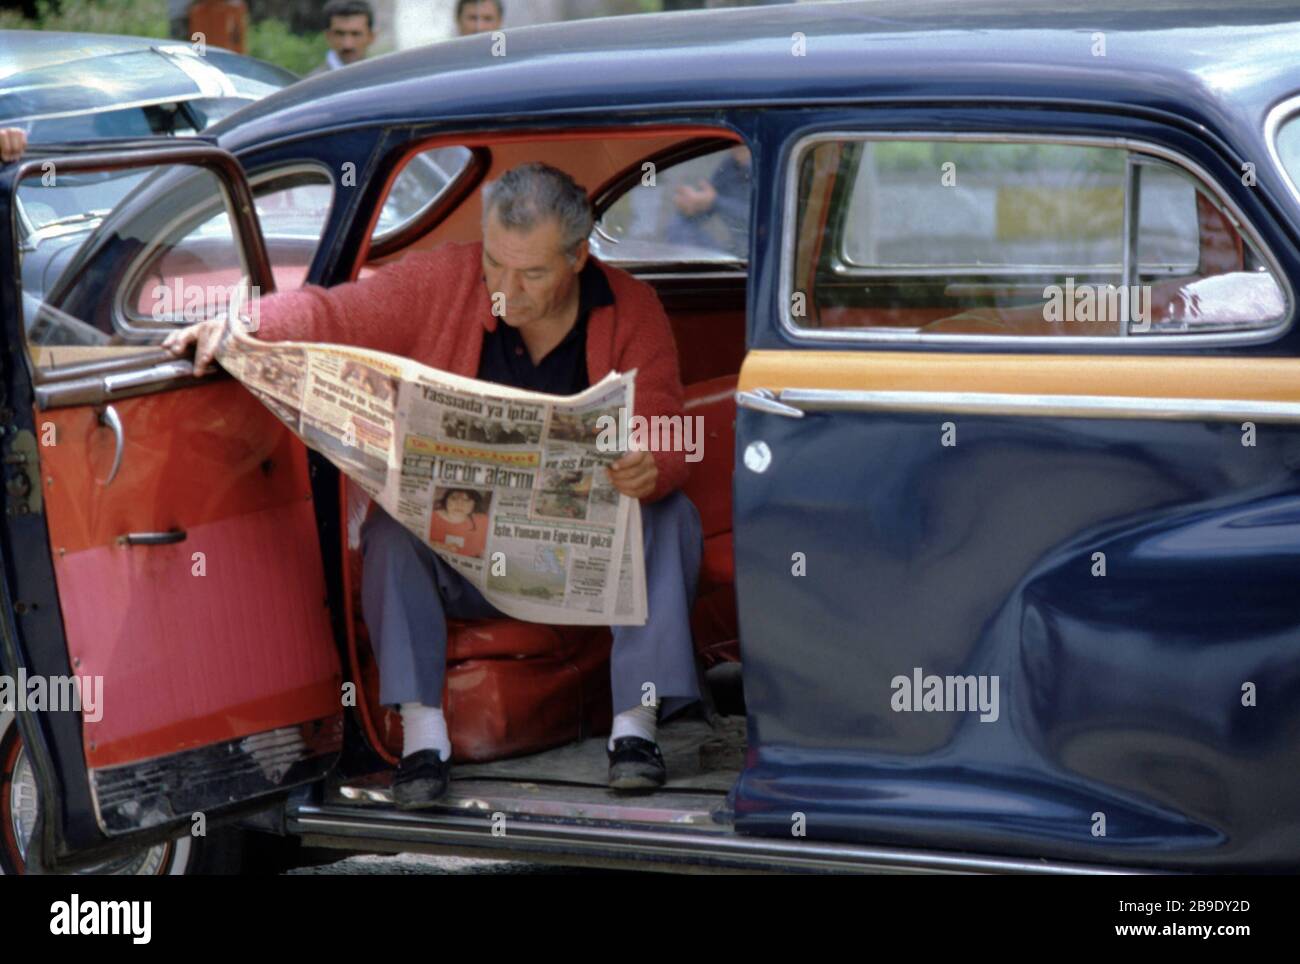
[{"x": 515, "y": 687}]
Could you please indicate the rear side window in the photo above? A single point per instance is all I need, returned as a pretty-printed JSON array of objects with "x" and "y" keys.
[
  {"x": 696, "y": 211},
  {"x": 424, "y": 179},
  {"x": 914, "y": 238}
]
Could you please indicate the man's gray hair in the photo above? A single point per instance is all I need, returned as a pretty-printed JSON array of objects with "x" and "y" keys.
[{"x": 530, "y": 193}]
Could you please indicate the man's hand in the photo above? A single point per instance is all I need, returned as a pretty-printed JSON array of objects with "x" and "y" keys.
[
  {"x": 634, "y": 474},
  {"x": 12, "y": 143},
  {"x": 205, "y": 335},
  {"x": 695, "y": 200}
]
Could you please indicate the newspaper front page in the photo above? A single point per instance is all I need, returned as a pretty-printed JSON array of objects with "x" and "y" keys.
[{"x": 507, "y": 486}]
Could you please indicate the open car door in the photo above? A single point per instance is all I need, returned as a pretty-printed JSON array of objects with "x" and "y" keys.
[{"x": 165, "y": 633}]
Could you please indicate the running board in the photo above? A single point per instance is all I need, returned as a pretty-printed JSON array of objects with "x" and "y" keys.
[
  {"x": 715, "y": 847},
  {"x": 551, "y": 800}
]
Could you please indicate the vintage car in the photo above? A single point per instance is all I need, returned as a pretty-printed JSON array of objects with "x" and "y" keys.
[{"x": 997, "y": 367}]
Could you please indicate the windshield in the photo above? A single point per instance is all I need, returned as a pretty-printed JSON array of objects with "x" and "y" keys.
[{"x": 75, "y": 195}]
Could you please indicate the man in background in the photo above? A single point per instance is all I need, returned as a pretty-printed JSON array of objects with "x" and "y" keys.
[
  {"x": 478, "y": 16},
  {"x": 350, "y": 30}
]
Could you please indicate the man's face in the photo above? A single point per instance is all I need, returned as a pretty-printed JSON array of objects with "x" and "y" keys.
[
  {"x": 530, "y": 269},
  {"x": 478, "y": 18},
  {"x": 350, "y": 37}
]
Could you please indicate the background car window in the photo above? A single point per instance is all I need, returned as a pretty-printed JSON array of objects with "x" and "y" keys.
[
  {"x": 694, "y": 211},
  {"x": 78, "y": 275},
  {"x": 425, "y": 178},
  {"x": 1003, "y": 238}
]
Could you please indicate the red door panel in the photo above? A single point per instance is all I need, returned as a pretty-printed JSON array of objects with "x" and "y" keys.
[{"x": 189, "y": 659}]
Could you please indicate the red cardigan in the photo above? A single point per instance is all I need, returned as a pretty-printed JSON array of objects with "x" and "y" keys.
[{"x": 433, "y": 306}]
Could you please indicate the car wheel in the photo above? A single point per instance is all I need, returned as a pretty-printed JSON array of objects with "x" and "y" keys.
[{"x": 20, "y": 802}]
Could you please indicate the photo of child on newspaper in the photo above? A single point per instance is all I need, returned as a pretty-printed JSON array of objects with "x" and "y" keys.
[{"x": 459, "y": 522}]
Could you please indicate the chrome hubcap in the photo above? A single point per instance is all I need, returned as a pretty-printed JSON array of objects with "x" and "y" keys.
[{"x": 24, "y": 800}]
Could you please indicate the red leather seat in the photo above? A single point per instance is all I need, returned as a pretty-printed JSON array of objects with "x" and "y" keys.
[{"x": 511, "y": 687}]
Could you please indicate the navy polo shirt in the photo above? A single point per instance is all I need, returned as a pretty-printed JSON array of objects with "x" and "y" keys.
[{"x": 563, "y": 371}]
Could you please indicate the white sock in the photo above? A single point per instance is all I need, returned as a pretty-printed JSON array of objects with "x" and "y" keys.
[
  {"x": 424, "y": 728},
  {"x": 638, "y": 721}
]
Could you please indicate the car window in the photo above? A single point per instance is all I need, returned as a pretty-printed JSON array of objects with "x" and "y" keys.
[
  {"x": 138, "y": 257},
  {"x": 1287, "y": 141},
  {"x": 426, "y": 177},
  {"x": 694, "y": 211},
  {"x": 292, "y": 207},
  {"x": 915, "y": 237}
]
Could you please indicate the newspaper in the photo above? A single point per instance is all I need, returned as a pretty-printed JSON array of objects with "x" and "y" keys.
[{"x": 507, "y": 486}]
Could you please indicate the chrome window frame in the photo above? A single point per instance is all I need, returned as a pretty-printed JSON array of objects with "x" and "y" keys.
[{"x": 848, "y": 336}]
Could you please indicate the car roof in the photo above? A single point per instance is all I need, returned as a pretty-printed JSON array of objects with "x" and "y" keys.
[
  {"x": 22, "y": 50},
  {"x": 1194, "y": 57}
]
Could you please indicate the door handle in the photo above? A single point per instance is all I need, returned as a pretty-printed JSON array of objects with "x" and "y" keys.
[
  {"x": 764, "y": 400},
  {"x": 108, "y": 416},
  {"x": 171, "y": 537}
]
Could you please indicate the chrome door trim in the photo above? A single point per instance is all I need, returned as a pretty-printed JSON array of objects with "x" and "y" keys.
[
  {"x": 1054, "y": 406},
  {"x": 851, "y": 336},
  {"x": 101, "y": 366},
  {"x": 587, "y": 842}
]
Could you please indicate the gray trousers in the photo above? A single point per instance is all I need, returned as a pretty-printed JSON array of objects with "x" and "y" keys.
[{"x": 407, "y": 593}]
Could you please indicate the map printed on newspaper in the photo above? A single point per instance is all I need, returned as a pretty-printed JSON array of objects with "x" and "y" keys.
[{"x": 507, "y": 486}]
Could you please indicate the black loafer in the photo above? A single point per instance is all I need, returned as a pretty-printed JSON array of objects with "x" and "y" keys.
[
  {"x": 421, "y": 779},
  {"x": 636, "y": 764}
]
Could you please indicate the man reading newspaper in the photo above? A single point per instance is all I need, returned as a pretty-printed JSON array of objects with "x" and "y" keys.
[{"x": 569, "y": 321}]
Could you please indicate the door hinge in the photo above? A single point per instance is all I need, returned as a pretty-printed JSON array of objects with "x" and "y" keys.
[{"x": 22, "y": 464}]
